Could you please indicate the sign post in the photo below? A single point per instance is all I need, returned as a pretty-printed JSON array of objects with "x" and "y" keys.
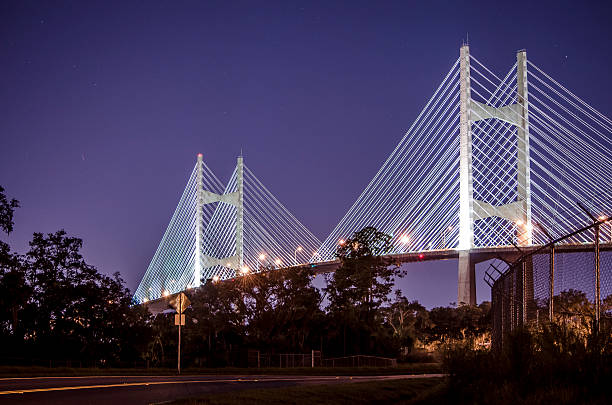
[{"x": 180, "y": 303}]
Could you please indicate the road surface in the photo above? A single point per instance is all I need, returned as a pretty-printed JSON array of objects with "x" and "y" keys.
[{"x": 119, "y": 390}]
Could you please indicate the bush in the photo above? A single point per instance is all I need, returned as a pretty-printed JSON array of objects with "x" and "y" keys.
[{"x": 551, "y": 364}]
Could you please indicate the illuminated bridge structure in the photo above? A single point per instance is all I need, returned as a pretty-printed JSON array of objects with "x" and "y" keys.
[{"x": 493, "y": 163}]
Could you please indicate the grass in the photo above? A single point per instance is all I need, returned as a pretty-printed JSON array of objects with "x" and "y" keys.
[
  {"x": 36, "y": 371},
  {"x": 406, "y": 391}
]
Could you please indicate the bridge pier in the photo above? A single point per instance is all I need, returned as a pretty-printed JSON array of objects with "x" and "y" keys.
[{"x": 466, "y": 285}]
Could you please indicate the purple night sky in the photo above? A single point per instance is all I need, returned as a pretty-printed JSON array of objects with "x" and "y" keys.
[{"x": 104, "y": 105}]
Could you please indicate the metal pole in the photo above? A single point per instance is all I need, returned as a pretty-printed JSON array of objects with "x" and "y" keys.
[
  {"x": 552, "y": 283},
  {"x": 180, "y": 307},
  {"x": 524, "y": 294},
  {"x": 597, "y": 292}
]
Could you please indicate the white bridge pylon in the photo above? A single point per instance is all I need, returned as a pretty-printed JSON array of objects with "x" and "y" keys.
[
  {"x": 222, "y": 230},
  {"x": 489, "y": 162}
]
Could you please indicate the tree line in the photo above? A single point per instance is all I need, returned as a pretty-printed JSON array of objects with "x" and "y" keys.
[{"x": 55, "y": 306}]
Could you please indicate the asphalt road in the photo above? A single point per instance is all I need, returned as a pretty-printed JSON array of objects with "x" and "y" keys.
[{"x": 118, "y": 390}]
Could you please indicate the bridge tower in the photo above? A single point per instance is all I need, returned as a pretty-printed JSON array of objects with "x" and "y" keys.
[
  {"x": 471, "y": 210},
  {"x": 204, "y": 197}
]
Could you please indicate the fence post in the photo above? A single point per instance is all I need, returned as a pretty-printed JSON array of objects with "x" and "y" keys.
[
  {"x": 524, "y": 293},
  {"x": 597, "y": 298},
  {"x": 552, "y": 283}
]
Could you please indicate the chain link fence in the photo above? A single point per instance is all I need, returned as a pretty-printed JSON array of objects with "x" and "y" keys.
[
  {"x": 360, "y": 361},
  {"x": 569, "y": 280},
  {"x": 284, "y": 360}
]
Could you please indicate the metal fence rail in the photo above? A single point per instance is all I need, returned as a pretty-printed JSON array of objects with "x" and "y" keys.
[
  {"x": 561, "y": 281},
  {"x": 284, "y": 360},
  {"x": 360, "y": 361}
]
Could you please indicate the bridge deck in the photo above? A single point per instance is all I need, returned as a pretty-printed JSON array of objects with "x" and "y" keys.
[{"x": 507, "y": 253}]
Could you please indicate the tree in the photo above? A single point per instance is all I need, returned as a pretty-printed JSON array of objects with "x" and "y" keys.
[
  {"x": 359, "y": 287},
  {"x": 14, "y": 292},
  {"x": 7, "y": 209},
  {"x": 283, "y": 309},
  {"x": 78, "y": 313},
  {"x": 409, "y": 321}
]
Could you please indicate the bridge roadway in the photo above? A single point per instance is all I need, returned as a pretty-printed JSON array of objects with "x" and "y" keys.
[{"x": 477, "y": 255}]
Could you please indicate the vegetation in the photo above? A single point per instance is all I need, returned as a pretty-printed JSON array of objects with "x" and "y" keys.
[
  {"x": 53, "y": 305},
  {"x": 402, "y": 368},
  {"x": 55, "y": 309},
  {"x": 406, "y": 391},
  {"x": 548, "y": 364}
]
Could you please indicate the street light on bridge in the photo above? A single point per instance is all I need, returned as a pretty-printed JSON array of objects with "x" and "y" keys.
[
  {"x": 299, "y": 249},
  {"x": 448, "y": 229},
  {"x": 260, "y": 260},
  {"x": 607, "y": 219}
]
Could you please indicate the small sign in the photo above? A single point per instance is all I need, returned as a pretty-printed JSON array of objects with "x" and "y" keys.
[
  {"x": 180, "y": 300},
  {"x": 176, "y": 319}
]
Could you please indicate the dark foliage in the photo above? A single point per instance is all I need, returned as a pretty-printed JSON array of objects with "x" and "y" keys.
[
  {"x": 54, "y": 306},
  {"x": 7, "y": 209},
  {"x": 552, "y": 364}
]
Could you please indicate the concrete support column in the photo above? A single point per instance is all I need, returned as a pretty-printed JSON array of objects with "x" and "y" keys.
[
  {"x": 240, "y": 212},
  {"x": 523, "y": 164},
  {"x": 466, "y": 212},
  {"x": 197, "y": 270},
  {"x": 466, "y": 288}
]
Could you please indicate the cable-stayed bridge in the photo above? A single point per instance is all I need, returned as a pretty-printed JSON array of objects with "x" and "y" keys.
[{"x": 489, "y": 163}]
